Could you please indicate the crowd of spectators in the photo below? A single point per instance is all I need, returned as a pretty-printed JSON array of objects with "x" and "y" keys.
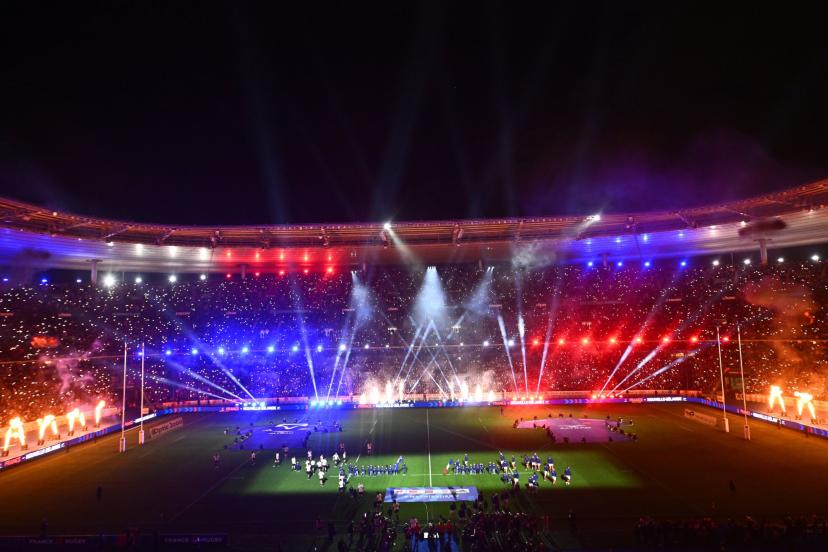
[{"x": 321, "y": 334}]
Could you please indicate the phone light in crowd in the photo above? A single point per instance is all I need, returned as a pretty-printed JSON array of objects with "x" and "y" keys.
[
  {"x": 221, "y": 350},
  {"x": 647, "y": 264},
  {"x": 173, "y": 278},
  {"x": 683, "y": 264},
  {"x": 620, "y": 263},
  {"x": 202, "y": 277},
  {"x": 366, "y": 346},
  {"x": 99, "y": 412},
  {"x": 319, "y": 348},
  {"x": 168, "y": 352},
  {"x": 590, "y": 264},
  {"x": 511, "y": 343},
  {"x": 776, "y": 396},
  {"x": 295, "y": 348},
  {"x": 486, "y": 343},
  {"x": 716, "y": 262},
  {"x": 228, "y": 275},
  {"x": 342, "y": 347},
  {"x": 245, "y": 350},
  {"x": 193, "y": 351},
  {"x": 108, "y": 280},
  {"x": 15, "y": 431},
  {"x": 270, "y": 348}
]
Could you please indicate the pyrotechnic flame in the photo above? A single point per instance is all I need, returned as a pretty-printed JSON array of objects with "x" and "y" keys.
[
  {"x": 803, "y": 400},
  {"x": 98, "y": 409},
  {"x": 48, "y": 421},
  {"x": 15, "y": 431},
  {"x": 776, "y": 395},
  {"x": 75, "y": 415}
]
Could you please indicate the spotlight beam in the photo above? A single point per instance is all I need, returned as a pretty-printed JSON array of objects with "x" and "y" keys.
[
  {"x": 553, "y": 314},
  {"x": 506, "y": 347}
]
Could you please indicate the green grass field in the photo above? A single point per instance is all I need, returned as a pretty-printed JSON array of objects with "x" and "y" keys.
[{"x": 678, "y": 468}]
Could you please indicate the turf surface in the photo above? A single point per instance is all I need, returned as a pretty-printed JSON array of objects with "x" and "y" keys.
[{"x": 678, "y": 468}]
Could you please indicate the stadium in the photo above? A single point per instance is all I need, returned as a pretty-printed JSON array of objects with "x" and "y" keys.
[{"x": 426, "y": 277}]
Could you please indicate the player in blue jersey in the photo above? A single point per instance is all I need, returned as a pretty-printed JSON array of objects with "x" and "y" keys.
[{"x": 567, "y": 477}]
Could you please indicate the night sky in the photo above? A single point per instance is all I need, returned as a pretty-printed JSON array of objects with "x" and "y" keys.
[{"x": 237, "y": 113}]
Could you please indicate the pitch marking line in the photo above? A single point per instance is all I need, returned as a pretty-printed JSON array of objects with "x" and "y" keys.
[{"x": 428, "y": 434}]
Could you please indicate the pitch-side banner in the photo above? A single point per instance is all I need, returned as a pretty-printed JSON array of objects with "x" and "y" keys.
[{"x": 430, "y": 494}]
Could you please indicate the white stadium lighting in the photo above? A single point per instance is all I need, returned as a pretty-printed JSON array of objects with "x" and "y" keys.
[
  {"x": 138, "y": 279},
  {"x": 746, "y": 261},
  {"x": 319, "y": 348},
  {"x": 202, "y": 277},
  {"x": 511, "y": 343},
  {"x": 815, "y": 257},
  {"x": 716, "y": 262},
  {"x": 342, "y": 347},
  {"x": 367, "y": 346},
  {"x": 109, "y": 280},
  {"x": 270, "y": 348},
  {"x": 486, "y": 343},
  {"x": 173, "y": 279},
  {"x": 780, "y": 260},
  {"x": 387, "y": 226},
  {"x": 295, "y": 348}
]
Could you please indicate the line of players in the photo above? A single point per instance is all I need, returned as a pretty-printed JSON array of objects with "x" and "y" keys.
[
  {"x": 346, "y": 469},
  {"x": 508, "y": 470}
]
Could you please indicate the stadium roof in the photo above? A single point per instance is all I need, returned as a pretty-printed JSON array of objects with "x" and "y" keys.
[{"x": 38, "y": 237}]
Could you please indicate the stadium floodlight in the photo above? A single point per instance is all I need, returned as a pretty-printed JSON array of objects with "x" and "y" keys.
[
  {"x": 245, "y": 349},
  {"x": 168, "y": 352},
  {"x": 647, "y": 264},
  {"x": 295, "y": 348},
  {"x": 366, "y": 346},
  {"x": 193, "y": 351},
  {"x": 319, "y": 348},
  {"x": 270, "y": 348},
  {"x": 109, "y": 280},
  {"x": 387, "y": 225},
  {"x": 173, "y": 278},
  {"x": 44, "y": 280},
  {"x": 78, "y": 281},
  {"x": 342, "y": 347},
  {"x": 716, "y": 262},
  {"x": 511, "y": 343},
  {"x": 815, "y": 257},
  {"x": 561, "y": 341},
  {"x": 746, "y": 261},
  {"x": 590, "y": 263},
  {"x": 202, "y": 277},
  {"x": 221, "y": 350},
  {"x": 683, "y": 263},
  {"x": 138, "y": 280},
  {"x": 620, "y": 263},
  {"x": 780, "y": 260},
  {"x": 486, "y": 343}
]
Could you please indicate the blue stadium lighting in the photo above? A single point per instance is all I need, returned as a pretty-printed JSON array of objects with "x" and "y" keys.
[
  {"x": 270, "y": 348},
  {"x": 78, "y": 281},
  {"x": 168, "y": 352},
  {"x": 44, "y": 280},
  {"x": 221, "y": 350},
  {"x": 140, "y": 353},
  {"x": 620, "y": 263},
  {"x": 338, "y": 403},
  {"x": 342, "y": 347},
  {"x": 313, "y": 404},
  {"x": 295, "y": 348},
  {"x": 245, "y": 350},
  {"x": 590, "y": 263},
  {"x": 193, "y": 351},
  {"x": 319, "y": 348},
  {"x": 6, "y": 280},
  {"x": 617, "y": 240},
  {"x": 683, "y": 263},
  {"x": 647, "y": 264},
  {"x": 366, "y": 346},
  {"x": 646, "y": 237}
]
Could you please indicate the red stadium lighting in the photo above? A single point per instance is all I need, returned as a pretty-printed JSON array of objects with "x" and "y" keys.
[
  {"x": 228, "y": 275},
  {"x": 639, "y": 340},
  {"x": 585, "y": 341},
  {"x": 594, "y": 396},
  {"x": 694, "y": 339},
  {"x": 613, "y": 341},
  {"x": 726, "y": 339},
  {"x": 561, "y": 341},
  {"x": 281, "y": 273},
  {"x": 305, "y": 271},
  {"x": 257, "y": 274},
  {"x": 536, "y": 342},
  {"x": 330, "y": 270},
  {"x": 665, "y": 339}
]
